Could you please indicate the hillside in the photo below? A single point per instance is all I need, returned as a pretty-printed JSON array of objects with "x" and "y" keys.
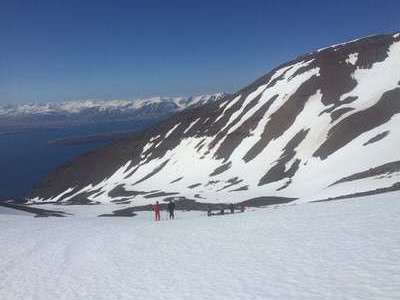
[{"x": 324, "y": 125}]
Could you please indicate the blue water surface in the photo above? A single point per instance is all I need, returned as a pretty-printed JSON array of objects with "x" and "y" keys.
[{"x": 26, "y": 156}]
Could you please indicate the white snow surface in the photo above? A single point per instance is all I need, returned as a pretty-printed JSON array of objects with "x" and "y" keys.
[
  {"x": 11, "y": 211},
  {"x": 331, "y": 250},
  {"x": 352, "y": 59}
]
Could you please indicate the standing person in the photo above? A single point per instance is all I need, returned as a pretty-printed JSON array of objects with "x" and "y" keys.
[
  {"x": 242, "y": 208},
  {"x": 156, "y": 209},
  {"x": 232, "y": 208},
  {"x": 171, "y": 209}
]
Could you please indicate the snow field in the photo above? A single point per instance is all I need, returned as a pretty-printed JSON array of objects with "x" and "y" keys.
[{"x": 333, "y": 250}]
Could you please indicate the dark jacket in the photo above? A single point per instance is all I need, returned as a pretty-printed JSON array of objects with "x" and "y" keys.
[{"x": 171, "y": 206}]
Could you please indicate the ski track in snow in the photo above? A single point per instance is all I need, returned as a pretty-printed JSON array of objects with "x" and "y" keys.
[{"x": 333, "y": 250}]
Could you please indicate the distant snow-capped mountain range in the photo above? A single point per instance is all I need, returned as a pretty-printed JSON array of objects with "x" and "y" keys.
[{"x": 136, "y": 107}]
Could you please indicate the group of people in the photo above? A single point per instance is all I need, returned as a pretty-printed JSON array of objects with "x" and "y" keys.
[
  {"x": 222, "y": 210},
  {"x": 171, "y": 209},
  {"x": 157, "y": 209}
]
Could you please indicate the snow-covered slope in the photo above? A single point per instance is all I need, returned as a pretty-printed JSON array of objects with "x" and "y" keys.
[
  {"x": 324, "y": 125},
  {"x": 94, "y": 107},
  {"x": 333, "y": 251}
]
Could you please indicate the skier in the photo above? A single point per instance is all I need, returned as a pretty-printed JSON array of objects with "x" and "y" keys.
[
  {"x": 242, "y": 208},
  {"x": 171, "y": 209},
  {"x": 232, "y": 208},
  {"x": 156, "y": 209}
]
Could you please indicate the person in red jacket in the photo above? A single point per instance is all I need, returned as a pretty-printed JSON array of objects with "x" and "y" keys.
[{"x": 156, "y": 209}]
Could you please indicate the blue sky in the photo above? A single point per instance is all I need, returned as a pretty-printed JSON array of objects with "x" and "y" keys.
[{"x": 58, "y": 50}]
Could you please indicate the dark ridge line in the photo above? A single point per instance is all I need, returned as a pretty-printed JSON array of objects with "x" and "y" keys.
[
  {"x": 232, "y": 181},
  {"x": 242, "y": 188},
  {"x": 285, "y": 185},
  {"x": 176, "y": 180},
  {"x": 132, "y": 172},
  {"x": 336, "y": 105},
  {"x": 38, "y": 212},
  {"x": 377, "y": 138},
  {"x": 118, "y": 201},
  {"x": 159, "y": 194},
  {"x": 212, "y": 182},
  {"x": 266, "y": 201},
  {"x": 393, "y": 188},
  {"x": 388, "y": 168},
  {"x": 194, "y": 185},
  {"x": 336, "y": 114},
  {"x": 199, "y": 144},
  {"x": 221, "y": 169},
  {"x": 152, "y": 173},
  {"x": 201, "y": 147}
]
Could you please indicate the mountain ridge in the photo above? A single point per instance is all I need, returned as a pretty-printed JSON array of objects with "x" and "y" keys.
[
  {"x": 90, "y": 111},
  {"x": 290, "y": 129},
  {"x": 77, "y": 106}
]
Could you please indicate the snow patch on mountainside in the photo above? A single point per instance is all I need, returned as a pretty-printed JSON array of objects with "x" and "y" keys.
[{"x": 352, "y": 59}]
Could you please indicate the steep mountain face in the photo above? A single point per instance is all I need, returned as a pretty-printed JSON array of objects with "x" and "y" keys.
[
  {"x": 92, "y": 110},
  {"x": 325, "y": 125}
]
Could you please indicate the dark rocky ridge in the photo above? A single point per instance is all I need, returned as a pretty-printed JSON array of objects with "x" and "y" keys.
[
  {"x": 386, "y": 169},
  {"x": 377, "y": 138},
  {"x": 36, "y": 212},
  {"x": 393, "y": 188}
]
